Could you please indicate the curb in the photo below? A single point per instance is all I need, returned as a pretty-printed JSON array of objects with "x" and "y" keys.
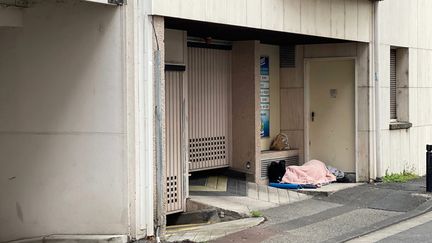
[{"x": 422, "y": 209}]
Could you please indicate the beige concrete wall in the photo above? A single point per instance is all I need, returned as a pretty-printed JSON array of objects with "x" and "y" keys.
[
  {"x": 406, "y": 23},
  {"x": 292, "y": 97},
  {"x": 273, "y": 53},
  {"x": 245, "y": 106},
  {"x": 292, "y": 102},
  {"x": 11, "y": 17},
  {"x": 344, "y": 19},
  {"x": 62, "y": 122}
]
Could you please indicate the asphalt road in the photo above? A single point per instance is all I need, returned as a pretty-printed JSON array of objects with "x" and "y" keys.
[{"x": 344, "y": 215}]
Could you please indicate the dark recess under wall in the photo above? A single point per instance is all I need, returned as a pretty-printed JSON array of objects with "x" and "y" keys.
[{"x": 236, "y": 33}]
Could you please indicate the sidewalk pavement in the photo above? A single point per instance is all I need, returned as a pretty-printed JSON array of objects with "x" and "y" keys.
[{"x": 340, "y": 216}]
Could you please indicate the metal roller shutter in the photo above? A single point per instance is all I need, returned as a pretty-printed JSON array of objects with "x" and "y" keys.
[
  {"x": 209, "y": 80},
  {"x": 174, "y": 127}
]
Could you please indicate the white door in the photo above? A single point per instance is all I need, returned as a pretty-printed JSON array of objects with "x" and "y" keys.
[{"x": 331, "y": 119}]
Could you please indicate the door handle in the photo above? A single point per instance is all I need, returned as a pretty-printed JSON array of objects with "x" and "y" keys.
[{"x": 313, "y": 116}]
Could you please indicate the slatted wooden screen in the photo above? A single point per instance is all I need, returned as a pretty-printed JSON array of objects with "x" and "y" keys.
[
  {"x": 174, "y": 127},
  {"x": 393, "y": 84},
  {"x": 209, "y": 80}
]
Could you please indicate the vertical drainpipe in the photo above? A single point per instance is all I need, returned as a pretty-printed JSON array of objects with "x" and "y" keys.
[{"x": 376, "y": 48}]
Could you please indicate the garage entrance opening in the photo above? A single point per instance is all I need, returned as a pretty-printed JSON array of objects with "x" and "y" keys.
[{"x": 216, "y": 90}]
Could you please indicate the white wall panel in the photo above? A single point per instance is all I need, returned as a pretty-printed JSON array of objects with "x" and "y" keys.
[
  {"x": 338, "y": 18},
  {"x": 395, "y": 22},
  {"x": 363, "y": 108},
  {"x": 385, "y": 151},
  {"x": 308, "y": 16},
  {"x": 292, "y": 16},
  {"x": 67, "y": 85},
  {"x": 364, "y": 22},
  {"x": 253, "y": 13},
  {"x": 363, "y": 155},
  {"x": 424, "y": 20},
  {"x": 395, "y": 163},
  {"x": 423, "y": 136},
  {"x": 363, "y": 74},
  {"x": 314, "y": 17},
  {"x": 421, "y": 106},
  {"x": 216, "y": 11},
  {"x": 413, "y": 67},
  {"x": 413, "y": 23},
  {"x": 424, "y": 63},
  {"x": 414, "y": 149},
  {"x": 351, "y": 19},
  {"x": 272, "y": 14},
  {"x": 385, "y": 107},
  {"x": 62, "y": 122},
  {"x": 323, "y": 18},
  {"x": 237, "y": 14},
  {"x": 189, "y": 9},
  {"x": 413, "y": 107},
  {"x": 62, "y": 184},
  {"x": 384, "y": 66}
]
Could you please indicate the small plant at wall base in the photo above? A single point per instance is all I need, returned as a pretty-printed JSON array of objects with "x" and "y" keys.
[
  {"x": 256, "y": 214},
  {"x": 405, "y": 176}
]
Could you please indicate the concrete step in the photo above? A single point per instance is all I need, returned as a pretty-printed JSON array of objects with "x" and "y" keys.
[
  {"x": 232, "y": 203},
  {"x": 249, "y": 189},
  {"x": 329, "y": 189},
  {"x": 274, "y": 195}
]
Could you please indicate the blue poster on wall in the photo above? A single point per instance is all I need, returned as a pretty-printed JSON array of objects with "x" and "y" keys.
[{"x": 265, "y": 96}]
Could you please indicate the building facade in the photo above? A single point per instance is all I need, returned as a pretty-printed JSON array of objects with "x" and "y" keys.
[{"x": 106, "y": 107}]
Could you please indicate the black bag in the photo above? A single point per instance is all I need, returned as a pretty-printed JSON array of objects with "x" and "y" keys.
[{"x": 276, "y": 170}]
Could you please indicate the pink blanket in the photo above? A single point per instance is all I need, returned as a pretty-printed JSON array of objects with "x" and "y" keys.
[{"x": 313, "y": 172}]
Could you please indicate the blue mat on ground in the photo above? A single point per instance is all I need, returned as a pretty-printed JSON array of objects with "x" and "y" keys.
[{"x": 292, "y": 186}]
